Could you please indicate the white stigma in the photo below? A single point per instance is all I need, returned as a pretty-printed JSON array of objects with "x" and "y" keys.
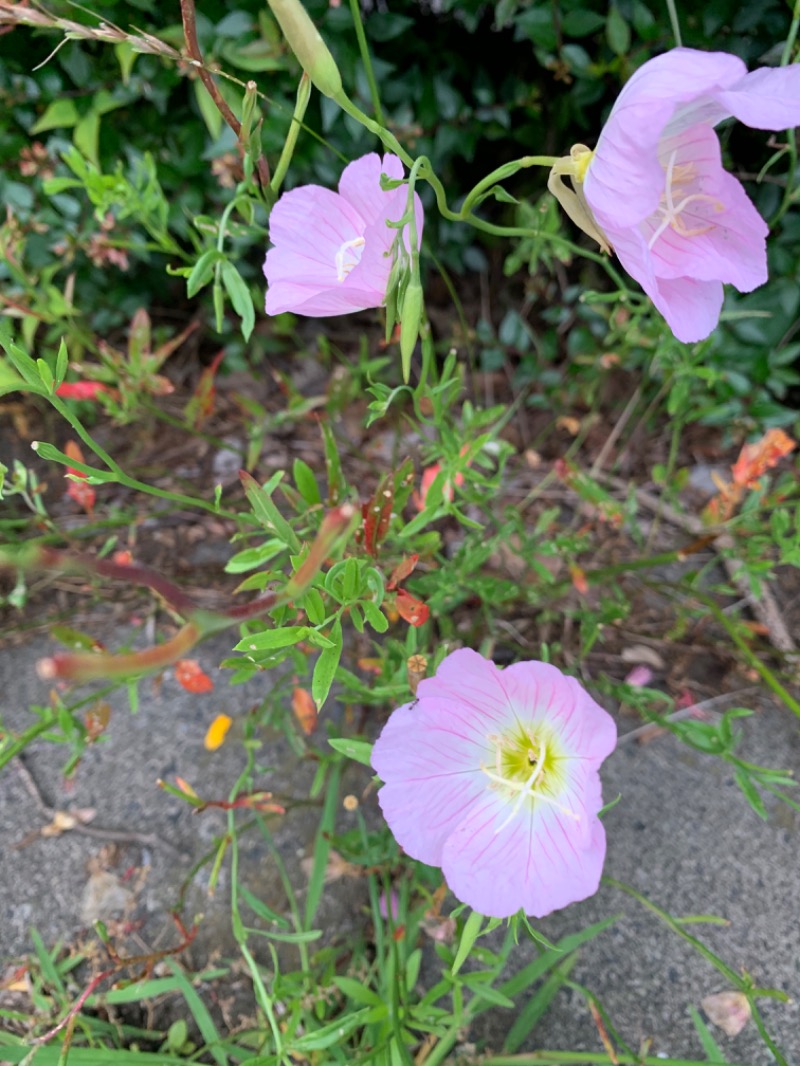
[
  {"x": 347, "y": 257},
  {"x": 672, "y": 211},
  {"x": 531, "y": 787}
]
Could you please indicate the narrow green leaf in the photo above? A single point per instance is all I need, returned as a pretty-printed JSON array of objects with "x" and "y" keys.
[
  {"x": 273, "y": 638},
  {"x": 62, "y": 363},
  {"x": 469, "y": 935},
  {"x": 358, "y": 750},
  {"x": 325, "y": 666},
  {"x": 267, "y": 513},
  {"x": 306, "y": 482},
  {"x": 711, "y": 1048},
  {"x": 240, "y": 297},
  {"x": 46, "y": 374},
  {"x": 203, "y": 271}
]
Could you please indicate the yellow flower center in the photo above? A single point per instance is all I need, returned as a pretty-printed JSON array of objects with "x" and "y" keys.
[{"x": 529, "y": 765}]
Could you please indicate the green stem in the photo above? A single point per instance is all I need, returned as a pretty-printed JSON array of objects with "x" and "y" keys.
[
  {"x": 752, "y": 659},
  {"x": 366, "y": 59},
  {"x": 500, "y": 174},
  {"x": 729, "y": 974},
  {"x": 586, "y": 1058},
  {"x": 786, "y": 56},
  {"x": 676, "y": 26},
  {"x": 301, "y": 103},
  {"x": 132, "y": 483},
  {"x": 386, "y": 138}
]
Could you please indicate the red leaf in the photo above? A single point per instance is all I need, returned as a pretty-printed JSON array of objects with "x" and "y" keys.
[
  {"x": 305, "y": 710},
  {"x": 402, "y": 570},
  {"x": 189, "y": 676},
  {"x": 410, "y": 609},
  {"x": 81, "y": 390},
  {"x": 377, "y": 514},
  {"x": 82, "y": 493}
]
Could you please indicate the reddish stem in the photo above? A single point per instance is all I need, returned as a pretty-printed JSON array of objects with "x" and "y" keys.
[{"x": 195, "y": 54}]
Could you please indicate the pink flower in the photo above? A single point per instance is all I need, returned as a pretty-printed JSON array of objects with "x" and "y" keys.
[
  {"x": 334, "y": 251},
  {"x": 493, "y": 775},
  {"x": 655, "y": 186}
]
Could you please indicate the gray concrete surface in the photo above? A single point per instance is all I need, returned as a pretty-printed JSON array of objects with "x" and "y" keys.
[{"x": 682, "y": 834}]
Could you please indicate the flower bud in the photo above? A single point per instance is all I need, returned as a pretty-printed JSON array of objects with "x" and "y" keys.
[
  {"x": 308, "y": 46},
  {"x": 410, "y": 317}
]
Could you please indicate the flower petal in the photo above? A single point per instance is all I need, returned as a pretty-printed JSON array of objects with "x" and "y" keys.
[
  {"x": 360, "y": 185},
  {"x": 765, "y": 99},
  {"x": 532, "y": 863},
  {"x": 319, "y": 301},
  {"x": 624, "y": 178},
  {"x": 312, "y": 223},
  {"x": 430, "y": 754},
  {"x": 476, "y": 683},
  {"x": 540, "y": 693},
  {"x": 691, "y": 307},
  {"x": 719, "y": 236}
]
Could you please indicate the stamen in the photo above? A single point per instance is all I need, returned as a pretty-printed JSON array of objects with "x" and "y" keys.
[
  {"x": 342, "y": 268},
  {"x": 531, "y": 787},
  {"x": 672, "y": 214}
]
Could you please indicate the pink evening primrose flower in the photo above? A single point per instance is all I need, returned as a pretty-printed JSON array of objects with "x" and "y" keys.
[
  {"x": 493, "y": 776},
  {"x": 333, "y": 252},
  {"x": 654, "y": 189}
]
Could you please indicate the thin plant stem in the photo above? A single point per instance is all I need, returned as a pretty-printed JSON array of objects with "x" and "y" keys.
[
  {"x": 676, "y": 26},
  {"x": 752, "y": 659},
  {"x": 366, "y": 59},
  {"x": 188, "y": 17},
  {"x": 791, "y": 147}
]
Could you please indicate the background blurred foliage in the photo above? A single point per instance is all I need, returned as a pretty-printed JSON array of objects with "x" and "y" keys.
[{"x": 468, "y": 84}]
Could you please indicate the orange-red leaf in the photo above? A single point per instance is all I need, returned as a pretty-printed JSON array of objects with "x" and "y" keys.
[
  {"x": 410, "y": 609},
  {"x": 189, "y": 676},
  {"x": 305, "y": 710},
  {"x": 377, "y": 514},
  {"x": 80, "y": 491},
  {"x": 755, "y": 459},
  {"x": 402, "y": 570}
]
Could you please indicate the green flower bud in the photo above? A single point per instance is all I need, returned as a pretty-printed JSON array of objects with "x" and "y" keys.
[
  {"x": 307, "y": 44},
  {"x": 410, "y": 318}
]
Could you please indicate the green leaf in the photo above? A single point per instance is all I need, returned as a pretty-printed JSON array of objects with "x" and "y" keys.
[
  {"x": 86, "y": 136},
  {"x": 58, "y": 115},
  {"x": 357, "y": 991},
  {"x": 327, "y": 1035},
  {"x": 267, "y": 513},
  {"x": 273, "y": 638},
  {"x": 208, "y": 109},
  {"x": 240, "y": 297},
  {"x": 46, "y": 374},
  {"x": 357, "y": 750},
  {"x": 325, "y": 666},
  {"x": 306, "y": 482},
  {"x": 618, "y": 33},
  {"x": 62, "y": 363},
  {"x": 203, "y": 271},
  {"x": 375, "y": 616},
  {"x": 469, "y": 934},
  {"x": 711, "y": 1048},
  {"x": 251, "y": 558},
  {"x": 12, "y": 382}
]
